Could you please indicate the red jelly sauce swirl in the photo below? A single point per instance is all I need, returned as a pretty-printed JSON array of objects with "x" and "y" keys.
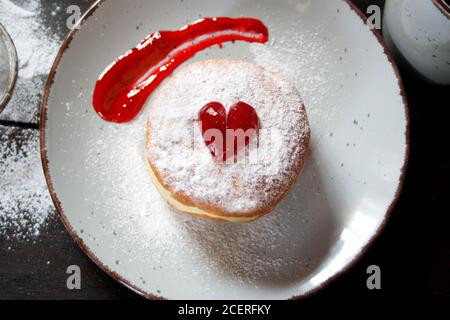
[{"x": 124, "y": 86}]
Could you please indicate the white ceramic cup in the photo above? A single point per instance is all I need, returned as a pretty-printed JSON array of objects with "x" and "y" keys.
[{"x": 419, "y": 32}]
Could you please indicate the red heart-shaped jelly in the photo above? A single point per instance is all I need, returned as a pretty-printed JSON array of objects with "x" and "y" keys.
[{"x": 226, "y": 135}]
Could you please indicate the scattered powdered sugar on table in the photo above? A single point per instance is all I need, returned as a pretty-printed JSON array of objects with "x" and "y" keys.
[
  {"x": 36, "y": 48},
  {"x": 24, "y": 199}
]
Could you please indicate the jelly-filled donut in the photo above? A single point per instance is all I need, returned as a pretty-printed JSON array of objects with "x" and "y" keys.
[{"x": 236, "y": 179}]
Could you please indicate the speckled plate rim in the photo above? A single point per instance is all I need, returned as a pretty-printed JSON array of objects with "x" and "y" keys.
[
  {"x": 13, "y": 68},
  {"x": 44, "y": 159}
]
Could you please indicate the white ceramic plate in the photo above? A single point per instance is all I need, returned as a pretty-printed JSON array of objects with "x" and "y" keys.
[{"x": 99, "y": 182}]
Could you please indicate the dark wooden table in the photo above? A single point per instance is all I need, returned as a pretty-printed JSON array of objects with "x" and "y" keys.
[{"x": 413, "y": 251}]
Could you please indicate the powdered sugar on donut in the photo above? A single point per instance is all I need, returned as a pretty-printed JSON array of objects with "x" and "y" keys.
[{"x": 176, "y": 148}]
